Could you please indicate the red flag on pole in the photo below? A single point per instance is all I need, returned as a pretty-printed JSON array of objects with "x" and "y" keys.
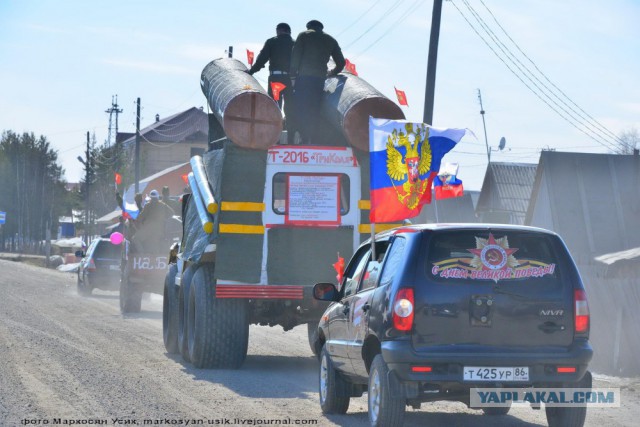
[
  {"x": 402, "y": 97},
  {"x": 118, "y": 178},
  {"x": 350, "y": 67},
  {"x": 249, "y": 57},
  {"x": 339, "y": 267},
  {"x": 276, "y": 88}
]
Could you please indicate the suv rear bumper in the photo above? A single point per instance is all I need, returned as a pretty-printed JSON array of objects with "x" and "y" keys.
[{"x": 447, "y": 367}]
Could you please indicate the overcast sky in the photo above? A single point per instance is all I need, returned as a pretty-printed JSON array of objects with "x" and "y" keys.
[{"x": 61, "y": 62}]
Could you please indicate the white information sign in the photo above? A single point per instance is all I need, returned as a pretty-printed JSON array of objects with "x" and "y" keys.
[{"x": 313, "y": 199}]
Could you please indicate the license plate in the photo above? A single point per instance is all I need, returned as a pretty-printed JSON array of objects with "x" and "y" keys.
[
  {"x": 499, "y": 374},
  {"x": 114, "y": 267}
]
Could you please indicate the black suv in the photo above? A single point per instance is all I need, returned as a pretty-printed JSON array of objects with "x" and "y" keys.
[
  {"x": 99, "y": 268},
  {"x": 439, "y": 310}
]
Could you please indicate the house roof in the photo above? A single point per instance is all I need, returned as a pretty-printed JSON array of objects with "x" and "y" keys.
[
  {"x": 591, "y": 200},
  {"x": 507, "y": 188},
  {"x": 189, "y": 125}
]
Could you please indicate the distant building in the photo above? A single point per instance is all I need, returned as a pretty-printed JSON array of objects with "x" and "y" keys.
[
  {"x": 453, "y": 210},
  {"x": 505, "y": 194},
  {"x": 591, "y": 200},
  {"x": 169, "y": 141}
]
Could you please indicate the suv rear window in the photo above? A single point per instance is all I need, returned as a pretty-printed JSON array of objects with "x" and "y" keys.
[
  {"x": 106, "y": 250},
  {"x": 498, "y": 256}
]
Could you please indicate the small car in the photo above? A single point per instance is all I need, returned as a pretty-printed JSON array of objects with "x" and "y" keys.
[
  {"x": 99, "y": 267},
  {"x": 432, "y": 312}
]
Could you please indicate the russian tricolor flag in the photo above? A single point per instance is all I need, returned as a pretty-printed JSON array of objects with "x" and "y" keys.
[
  {"x": 405, "y": 158},
  {"x": 446, "y": 184}
]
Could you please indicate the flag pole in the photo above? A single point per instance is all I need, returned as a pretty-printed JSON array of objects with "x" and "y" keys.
[{"x": 373, "y": 242}]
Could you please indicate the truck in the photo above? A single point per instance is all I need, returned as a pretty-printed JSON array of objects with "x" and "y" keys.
[{"x": 265, "y": 221}]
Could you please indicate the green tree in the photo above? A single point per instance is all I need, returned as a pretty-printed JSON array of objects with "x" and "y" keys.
[{"x": 33, "y": 194}]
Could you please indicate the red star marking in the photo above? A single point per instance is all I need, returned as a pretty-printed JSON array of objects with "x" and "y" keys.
[{"x": 491, "y": 242}]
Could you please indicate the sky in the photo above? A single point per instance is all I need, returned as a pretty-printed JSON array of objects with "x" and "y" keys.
[{"x": 61, "y": 62}]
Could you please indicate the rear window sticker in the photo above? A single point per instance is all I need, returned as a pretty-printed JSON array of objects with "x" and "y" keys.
[{"x": 493, "y": 259}]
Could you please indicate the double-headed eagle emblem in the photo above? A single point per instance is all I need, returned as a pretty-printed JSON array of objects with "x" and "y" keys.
[{"x": 412, "y": 166}]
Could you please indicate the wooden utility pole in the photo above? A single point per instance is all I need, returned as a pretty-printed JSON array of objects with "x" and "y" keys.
[
  {"x": 137, "y": 155},
  {"x": 431, "y": 64}
]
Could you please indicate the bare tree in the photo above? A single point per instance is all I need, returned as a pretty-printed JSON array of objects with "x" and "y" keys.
[{"x": 629, "y": 140}]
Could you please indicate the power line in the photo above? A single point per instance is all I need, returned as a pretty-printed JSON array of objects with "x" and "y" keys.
[
  {"x": 358, "y": 19},
  {"x": 531, "y": 76},
  {"x": 609, "y": 146},
  {"x": 375, "y": 24},
  {"x": 546, "y": 78}
]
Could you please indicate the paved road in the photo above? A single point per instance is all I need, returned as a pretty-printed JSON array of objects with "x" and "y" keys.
[{"x": 74, "y": 360}]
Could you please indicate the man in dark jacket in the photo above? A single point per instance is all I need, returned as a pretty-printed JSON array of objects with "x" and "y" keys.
[
  {"x": 311, "y": 53},
  {"x": 277, "y": 51}
]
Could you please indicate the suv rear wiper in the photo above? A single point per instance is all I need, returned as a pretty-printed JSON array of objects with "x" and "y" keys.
[{"x": 497, "y": 289}]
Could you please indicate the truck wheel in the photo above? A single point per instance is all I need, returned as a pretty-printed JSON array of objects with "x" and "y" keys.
[
  {"x": 183, "y": 311},
  {"x": 84, "y": 289},
  {"x": 312, "y": 334},
  {"x": 130, "y": 295},
  {"x": 334, "y": 397},
  {"x": 386, "y": 406},
  {"x": 218, "y": 328},
  {"x": 170, "y": 311},
  {"x": 569, "y": 416}
]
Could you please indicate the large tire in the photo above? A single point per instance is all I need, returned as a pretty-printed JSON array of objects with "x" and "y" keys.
[
  {"x": 84, "y": 289},
  {"x": 130, "y": 294},
  {"x": 312, "y": 335},
  {"x": 170, "y": 312},
  {"x": 334, "y": 390},
  {"x": 386, "y": 406},
  {"x": 183, "y": 311},
  {"x": 569, "y": 416},
  {"x": 218, "y": 328}
]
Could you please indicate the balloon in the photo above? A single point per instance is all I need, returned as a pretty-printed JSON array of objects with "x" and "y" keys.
[{"x": 116, "y": 238}]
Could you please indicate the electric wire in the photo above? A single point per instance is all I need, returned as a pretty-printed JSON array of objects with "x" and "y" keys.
[
  {"x": 375, "y": 24},
  {"x": 412, "y": 8},
  {"x": 532, "y": 78},
  {"x": 547, "y": 78},
  {"x": 609, "y": 146},
  {"x": 358, "y": 19}
]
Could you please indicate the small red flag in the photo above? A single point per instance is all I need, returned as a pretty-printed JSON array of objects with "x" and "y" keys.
[
  {"x": 249, "y": 57},
  {"x": 402, "y": 97},
  {"x": 339, "y": 267},
  {"x": 185, "y": 178},
  {"x": 118, "y": 178},
  {"x": 350, "y": 67},
  {"x": 276, "y": 88}
]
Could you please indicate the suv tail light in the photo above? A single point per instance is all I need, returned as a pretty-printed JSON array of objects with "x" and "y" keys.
[
  {"x": 403, "y": 310},
  {"x": 581, "y": 312},
  {"x": 91, "y": 266}
]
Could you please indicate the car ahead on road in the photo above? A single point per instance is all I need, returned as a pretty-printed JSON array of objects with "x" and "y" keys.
[
  {"x": 99, "y": 267},
  {"x": 440, "y": 310}
]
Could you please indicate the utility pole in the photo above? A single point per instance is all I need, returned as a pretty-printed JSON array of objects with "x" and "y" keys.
[
  {"x": 486, "y": 141},
  {"x": 230, "y": 51},
  {"x": 88, "y": 176},
  {"x": 431, "y": 64},
  {"x": 137, "y": 159},
  {"x": 113, "y": 111}
]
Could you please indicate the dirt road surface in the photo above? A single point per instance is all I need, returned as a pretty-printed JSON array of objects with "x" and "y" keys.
[{"x": 74, "y": 361}]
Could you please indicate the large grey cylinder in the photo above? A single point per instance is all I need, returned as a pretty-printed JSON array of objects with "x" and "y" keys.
[
  {"x": 349, "y": 101},
  {"x": 249, "y": 116}
]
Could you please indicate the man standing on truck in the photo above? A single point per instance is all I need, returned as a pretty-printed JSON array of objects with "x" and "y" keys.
[
  {"x": 150, "y": 224},
  {"x": 277, "y": 51},
  {"x": 311, "y": 53}
]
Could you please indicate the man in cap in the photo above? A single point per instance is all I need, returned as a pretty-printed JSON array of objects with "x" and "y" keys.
[
  {"x": 277, "y": 51},
  {"x": 311, "y": 53}
]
